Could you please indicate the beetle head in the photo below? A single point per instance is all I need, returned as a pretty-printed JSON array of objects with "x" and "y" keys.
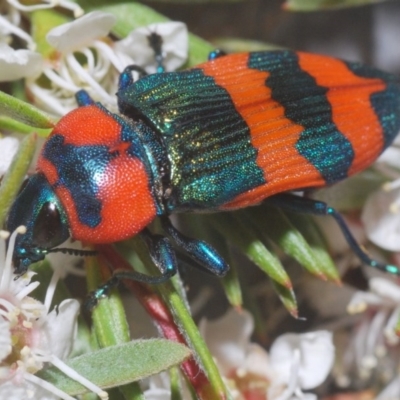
[{"x": 38, "y": 208}]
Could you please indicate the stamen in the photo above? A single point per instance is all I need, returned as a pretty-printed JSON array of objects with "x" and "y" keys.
[
  {"x": 52, "y": 288},
  {"x": 79, "y": 70},
  {"x": 27, "y": 290},
  {"x": 47, "y": 386},
  {"x": 374, "y": 331},
  {"x": 52, "y": 102},
  {"x": 18, "y": 32},
  {"x": 57, "y": 80},
  {"x": 7, "y": 271},
  {"x": 389, "y": 186},
  {"x": 6, "y": 306},
  {"x": 68, "y": 5},
  {"x": 110, "y": 55},
  {"x": 77, "y": 377}
]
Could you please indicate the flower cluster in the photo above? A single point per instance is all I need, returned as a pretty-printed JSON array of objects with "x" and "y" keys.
[
  {"x": 82, "y": 54},
  {"x": 32, "y": 335}
]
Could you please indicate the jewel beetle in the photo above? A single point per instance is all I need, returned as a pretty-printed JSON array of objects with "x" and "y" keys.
[{"x": 230, "y": 133}]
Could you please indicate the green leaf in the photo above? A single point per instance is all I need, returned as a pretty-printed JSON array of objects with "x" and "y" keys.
[
  {"x": 108, "y": 317},
  {"x": 176, "y": 389},
  {"x": 288, "y": 298},
  {"x": 172, "y": 295},
  {"x": 318, "y": 5},
  {"x": 205, "y": 231},
  {"x": 119, "y": 365},
  {"x": 23, "y": 112},
  {"x": 131, "y": 15},
  {"x": 246, "y": 239},
  {"x": 15, "y": 175},
  {"x": 273, "y": 224},
  {"x": 314, "y": 237},
  {"x": 109, "y": 321},
  {"x": 11, "y": 125}
]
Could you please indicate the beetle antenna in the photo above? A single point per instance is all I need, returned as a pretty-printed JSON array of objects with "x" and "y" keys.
[{"x": 73, "y": 252}]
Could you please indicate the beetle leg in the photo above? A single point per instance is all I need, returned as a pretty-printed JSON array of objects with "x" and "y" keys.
[
  {"x": 309, "y": 206},
  {"x": 155, "y": 42},
  {"x": 83, "y": 98},
  {"x": 216, "y": 54},
  {"x": 126, "y": 78},
  {"x": 205, "y": 255},
  {"x": 162, "y": 255}
]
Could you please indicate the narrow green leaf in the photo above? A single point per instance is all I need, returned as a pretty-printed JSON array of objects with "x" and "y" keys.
[
  {"x": 108, "y": 317},
  {"x": 174, "y": 377},
  {"x": 318, "y": 5},
  {"x": 11, "y": 125},
  {"x": 206, "y": 232},
  {"x": 172, "y": 295},
  {"x": 119, "y": 365},
  {"x": 109, "y": 322},
  {"x": 246, "y": 239},
  {"x": 14, "y": 177},
  {"x": 288, "y": 298},
  {"x": 231, "y": 282},
  {"x": 23, "y": 112},
  {"x": 314, "y": 237},
  {"x": 131, "y": 15},
  {"x": 273, "y": 224}
]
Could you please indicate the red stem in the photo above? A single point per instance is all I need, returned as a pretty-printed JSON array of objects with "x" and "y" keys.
[{"x": 162, "y": 316}]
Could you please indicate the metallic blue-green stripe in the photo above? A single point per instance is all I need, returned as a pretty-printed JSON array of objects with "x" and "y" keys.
[
  {"x": 206, "y": 139},
  {"x": 386, "y": 103},
  {"x": 306, "y": 104}
]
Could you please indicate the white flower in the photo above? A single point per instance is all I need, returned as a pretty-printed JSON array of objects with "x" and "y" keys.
[
  {"x": 381, "y": 218},
  {"x": 381, "y": 212},
  {"x": 69, "y": 5},
  {"x": 296, "y": 361},
  {"x": 300, "y": 361},
  {"x": 31, "y": 336},
  {"x": 72, "y": 36},
  {"x": 17, "y": 64},
  {"x": 10, "y": 19},
  {"x": 86, "y": 38},
  {"x": 8, "y": 149},
  {"x": 136, "y": 45},
  {"x": 374, "y": 344}
]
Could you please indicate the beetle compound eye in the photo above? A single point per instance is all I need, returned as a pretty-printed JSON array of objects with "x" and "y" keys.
[{"x": 48, "y": 228}]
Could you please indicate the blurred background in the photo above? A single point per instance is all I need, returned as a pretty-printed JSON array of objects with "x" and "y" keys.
[{"x": 368, "y": 33}]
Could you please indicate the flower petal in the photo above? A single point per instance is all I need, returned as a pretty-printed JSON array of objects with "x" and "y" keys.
[
  {"x": 61, "y": 323},
  {"x": 8, "y": 148},
  {"x": 316, "y": 357},
  {"x": 17, "y": 64},
  {"x": 81, "y": 32},
  {"x": 361, "y": 300},
  {"x": 228, "y": 337},
  {"x": 386, "y": 289},
  {"x": 174, "y": 37},
  {"x": 382, "y": 224},
  {"x": 391, "y": 391}
]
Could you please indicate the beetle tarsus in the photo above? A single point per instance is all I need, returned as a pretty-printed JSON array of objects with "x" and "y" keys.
[
  {"x": 309, "y": 206},
  {"x": 83, "y": 98},
  {"x": 204, "y": 254}
]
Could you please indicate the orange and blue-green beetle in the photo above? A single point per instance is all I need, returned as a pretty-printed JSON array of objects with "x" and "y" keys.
[{"x": 230, "y": 133}]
